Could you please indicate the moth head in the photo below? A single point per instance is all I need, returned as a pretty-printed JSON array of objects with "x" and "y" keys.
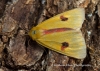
[{"x": 33, "y": 33}]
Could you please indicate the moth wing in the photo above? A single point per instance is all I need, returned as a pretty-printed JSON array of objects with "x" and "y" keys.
[
  {"x": 76, "y": 48},
  {"x": 75, "y": 20}
]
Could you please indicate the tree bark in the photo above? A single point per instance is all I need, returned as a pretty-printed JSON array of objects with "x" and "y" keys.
[{"x": 19, "y": 52}]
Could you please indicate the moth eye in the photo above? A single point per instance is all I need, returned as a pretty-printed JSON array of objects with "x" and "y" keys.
[{"x": 34, "y": 32}]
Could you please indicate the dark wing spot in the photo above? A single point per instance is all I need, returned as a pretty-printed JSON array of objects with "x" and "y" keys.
[
  {"x": 64, "y": 45},
  {"x": 63, "y": 18}
]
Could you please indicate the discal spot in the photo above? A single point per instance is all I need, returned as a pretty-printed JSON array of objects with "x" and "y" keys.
[
  {"x": 64, "y": 45},
  {"x": 63, "y": 18}
]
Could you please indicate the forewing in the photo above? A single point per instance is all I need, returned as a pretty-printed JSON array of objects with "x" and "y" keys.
[
  {"x": 76, "y": 44},
  {"x": 74, "y": 20}
]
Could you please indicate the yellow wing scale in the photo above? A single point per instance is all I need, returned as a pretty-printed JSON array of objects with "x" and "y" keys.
[{"x": 53, "y": 41}]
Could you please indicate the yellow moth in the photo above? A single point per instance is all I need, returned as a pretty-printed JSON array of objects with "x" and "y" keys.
[{"x": 62, "y": 33}]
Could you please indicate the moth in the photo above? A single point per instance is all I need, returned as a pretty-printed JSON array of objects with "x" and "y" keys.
[{"x": 62, "y": 33}]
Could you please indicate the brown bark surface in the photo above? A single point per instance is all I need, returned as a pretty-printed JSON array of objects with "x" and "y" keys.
[{"x": 18, "y": 52}]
